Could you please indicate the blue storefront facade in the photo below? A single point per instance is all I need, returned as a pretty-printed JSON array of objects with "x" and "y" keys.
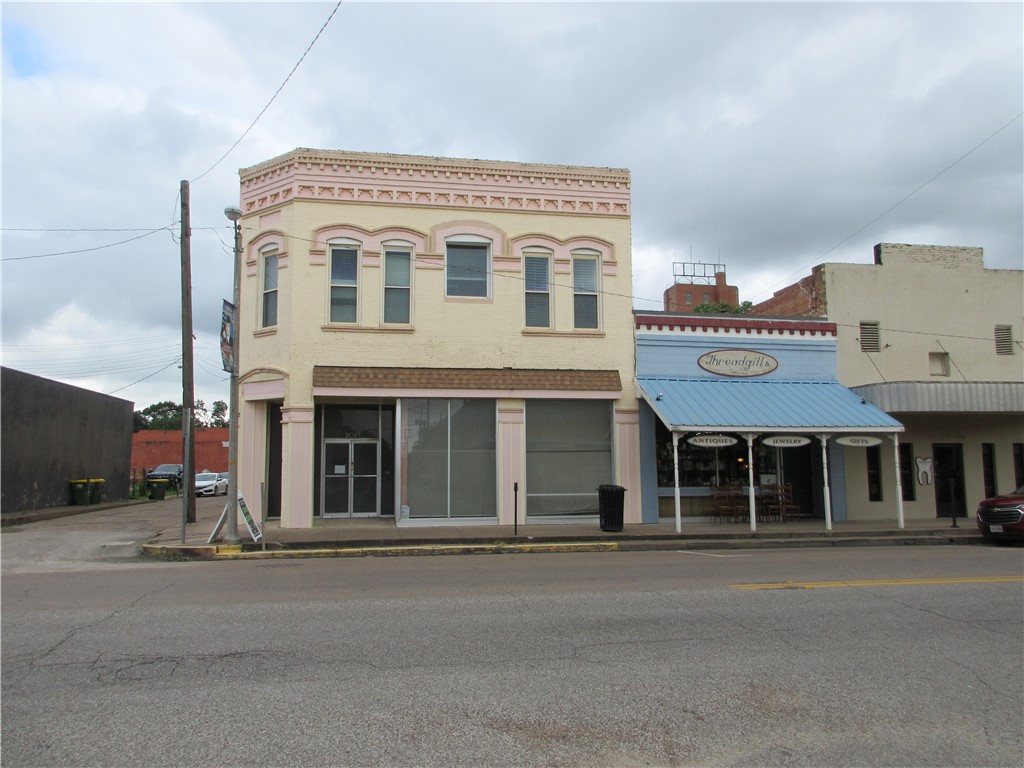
[{"x": 743, "y": 419}]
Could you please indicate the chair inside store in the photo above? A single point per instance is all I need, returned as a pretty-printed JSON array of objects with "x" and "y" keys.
[
  {"x": 777, "y": 503},
  {"x": 727, "y": 503}
]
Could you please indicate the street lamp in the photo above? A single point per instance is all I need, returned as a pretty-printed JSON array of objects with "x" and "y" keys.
[{"x": 231, "y": 531}]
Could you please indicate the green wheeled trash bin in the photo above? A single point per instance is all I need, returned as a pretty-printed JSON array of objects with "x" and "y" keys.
[
  {"x": 96, "y": 489},
  {"x": 611, "y": 500},
  {"x": 157, "y": 489},
  {"x": 80, "y": 492}
]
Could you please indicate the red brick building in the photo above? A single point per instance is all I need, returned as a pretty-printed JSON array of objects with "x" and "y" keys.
[
  {"x": 697, "y": 284},
  {"x": 151, "y": 447}
]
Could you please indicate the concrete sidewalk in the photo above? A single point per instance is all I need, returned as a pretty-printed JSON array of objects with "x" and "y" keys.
[{"x": 380, "y": 536}]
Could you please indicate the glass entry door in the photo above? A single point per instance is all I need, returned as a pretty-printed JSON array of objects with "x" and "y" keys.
[{"x": 351, "y": 478}]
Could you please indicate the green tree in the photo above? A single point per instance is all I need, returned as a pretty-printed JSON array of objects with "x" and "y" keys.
[
  {"x": 164, "y": 415},
  {"x": 723, "y": 308},
  {"x": 219, "y": 414}
]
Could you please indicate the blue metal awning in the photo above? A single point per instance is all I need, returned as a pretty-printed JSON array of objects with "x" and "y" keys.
[{"x": 743, "y": 405}]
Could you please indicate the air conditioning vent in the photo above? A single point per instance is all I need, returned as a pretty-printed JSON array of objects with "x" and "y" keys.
[
  {"x": 869, "y": 337},
  {"x": 1004, "y": 339}
]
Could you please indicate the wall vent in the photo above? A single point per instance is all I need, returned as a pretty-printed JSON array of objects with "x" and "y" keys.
[
  {"x": 1004, "y": 339},
  {"x": 869, "y": 337}
]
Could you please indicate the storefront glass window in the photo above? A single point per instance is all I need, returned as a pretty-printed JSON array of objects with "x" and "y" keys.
[
  {"x": 707, "y": 467},
  {"x": 450, "y": 458},
  {"x": 568, "y": 455}
]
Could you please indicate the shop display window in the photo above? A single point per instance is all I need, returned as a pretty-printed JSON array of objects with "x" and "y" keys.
[{"x": 708, "y": 467}]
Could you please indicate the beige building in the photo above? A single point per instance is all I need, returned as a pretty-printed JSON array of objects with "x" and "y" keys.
[
  {"x": 932, "y": 337},
  {"x": 435, "y": 340}
]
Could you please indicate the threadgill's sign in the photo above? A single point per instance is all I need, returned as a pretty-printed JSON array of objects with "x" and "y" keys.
[{"x": 737, "y": 362}]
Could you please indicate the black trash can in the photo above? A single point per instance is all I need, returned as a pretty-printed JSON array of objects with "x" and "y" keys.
[
  {"x": 157, "y": 489},
  {"x": 80, "y": 492},
  {"x": 610, "y": 500},
  {"x": 96, "y": 489}
]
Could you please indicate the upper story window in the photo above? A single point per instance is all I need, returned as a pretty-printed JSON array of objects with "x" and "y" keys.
[
  {"x": 268, "y": 297},
  {"x": 397, "y": 283},
  {"x": 1004, "y": 339},
  {"x": 938, "y": 363},
  {"x": 870, "y": 340},
  {"x": 585, "y": 272},
  {"x": 537, "y": 269},
  {"x": 344, "y": 288},
  {"x": 467, "y": 266}
]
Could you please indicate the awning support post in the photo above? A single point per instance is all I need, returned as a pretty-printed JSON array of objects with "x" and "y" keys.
[
  {"x": 899, "y": 480},
  {"x": 675, "y": 468},
  {"x": 751, "y": 498},
  {"x": 827, "y": 494}
]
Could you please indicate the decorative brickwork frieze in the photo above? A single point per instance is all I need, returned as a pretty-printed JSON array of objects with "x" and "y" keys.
[{"x": 439, "y": 182}]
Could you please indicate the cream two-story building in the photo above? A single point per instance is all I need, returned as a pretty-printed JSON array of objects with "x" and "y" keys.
[
  {"x": 930, "y": 335},
  {"x": 435, "y": 340}
]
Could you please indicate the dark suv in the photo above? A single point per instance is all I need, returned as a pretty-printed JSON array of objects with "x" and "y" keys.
[
  {"x": 172, "y": 473},
  {"x": 1002, "y": 517}
]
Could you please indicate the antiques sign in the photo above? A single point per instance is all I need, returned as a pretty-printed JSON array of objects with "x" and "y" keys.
[
  {"x": 711, "y": 441},
  {"x": 737, "y": 362}
]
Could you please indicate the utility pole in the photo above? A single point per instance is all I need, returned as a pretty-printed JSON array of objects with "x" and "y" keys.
[
  {"x": 231, "y": 533},
  {"x": 188, "y": 495}
]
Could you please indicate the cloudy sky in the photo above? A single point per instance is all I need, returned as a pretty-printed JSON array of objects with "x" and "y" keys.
[{"x": 766, "y": 137}]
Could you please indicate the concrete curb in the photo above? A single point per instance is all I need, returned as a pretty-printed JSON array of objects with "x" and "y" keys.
[
  {"x": 419, "y": 549},
  {"x": 236, "y": 552}
]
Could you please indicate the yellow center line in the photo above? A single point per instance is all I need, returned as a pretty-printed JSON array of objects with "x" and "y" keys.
[{"x": 881, "y": 582}]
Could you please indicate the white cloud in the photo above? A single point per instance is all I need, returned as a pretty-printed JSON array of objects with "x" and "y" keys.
[{"x": 760, "y": 136}]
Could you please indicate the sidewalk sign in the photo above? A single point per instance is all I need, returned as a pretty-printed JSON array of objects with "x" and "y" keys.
[{"x": 250, "y": 523}]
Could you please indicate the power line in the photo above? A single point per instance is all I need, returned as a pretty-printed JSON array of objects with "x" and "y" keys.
[
  {"x": 895, "y": 205},
  {"x": 119, "y": 342},
  {"x": 272, "y": 98},
  {"x": 139, "y": 381},
  {"x": 84, "y": 250},
  {"x": 83, "y": 229}
]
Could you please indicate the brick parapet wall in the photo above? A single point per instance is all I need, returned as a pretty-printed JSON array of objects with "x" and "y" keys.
[
  {"x": 949, "y": 256},
  {"x": 805, "y": 298}
]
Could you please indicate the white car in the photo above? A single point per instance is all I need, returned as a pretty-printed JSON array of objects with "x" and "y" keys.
[{"x": 211, "y": 484}]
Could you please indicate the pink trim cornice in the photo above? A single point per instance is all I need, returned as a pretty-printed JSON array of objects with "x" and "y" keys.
[
  {"x": 326, "y": 175},
  {"x": 262, "y": 240},
  {"x": 563, "y": 249},
  {"x": 441, "y": 232},
  {"x": 370, "y": 239}
]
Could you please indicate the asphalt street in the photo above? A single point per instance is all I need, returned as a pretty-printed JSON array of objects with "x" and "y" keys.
[{"x": 890, "y": 656}]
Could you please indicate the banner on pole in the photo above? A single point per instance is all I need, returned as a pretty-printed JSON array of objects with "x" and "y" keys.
[{"x": 227, "y": 336}]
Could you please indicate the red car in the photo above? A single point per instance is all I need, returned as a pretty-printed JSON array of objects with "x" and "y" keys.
[{"x": 1002, "y": 517}]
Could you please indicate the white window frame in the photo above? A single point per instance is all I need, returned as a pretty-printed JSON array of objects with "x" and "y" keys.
[
  {"x": 266, "y": 253},
  {"x": 549, "y": 256},
  {"x": 344, "y": 243},
  {"x": 469, "y": 240},
  {"x": 395, "y": 247},
  {"x": 579, "y": 256},
  {"x": 938, "y": 364}
]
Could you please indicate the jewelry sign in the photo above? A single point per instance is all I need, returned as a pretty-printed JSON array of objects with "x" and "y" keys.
[{"x": 737, "y": 362}]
